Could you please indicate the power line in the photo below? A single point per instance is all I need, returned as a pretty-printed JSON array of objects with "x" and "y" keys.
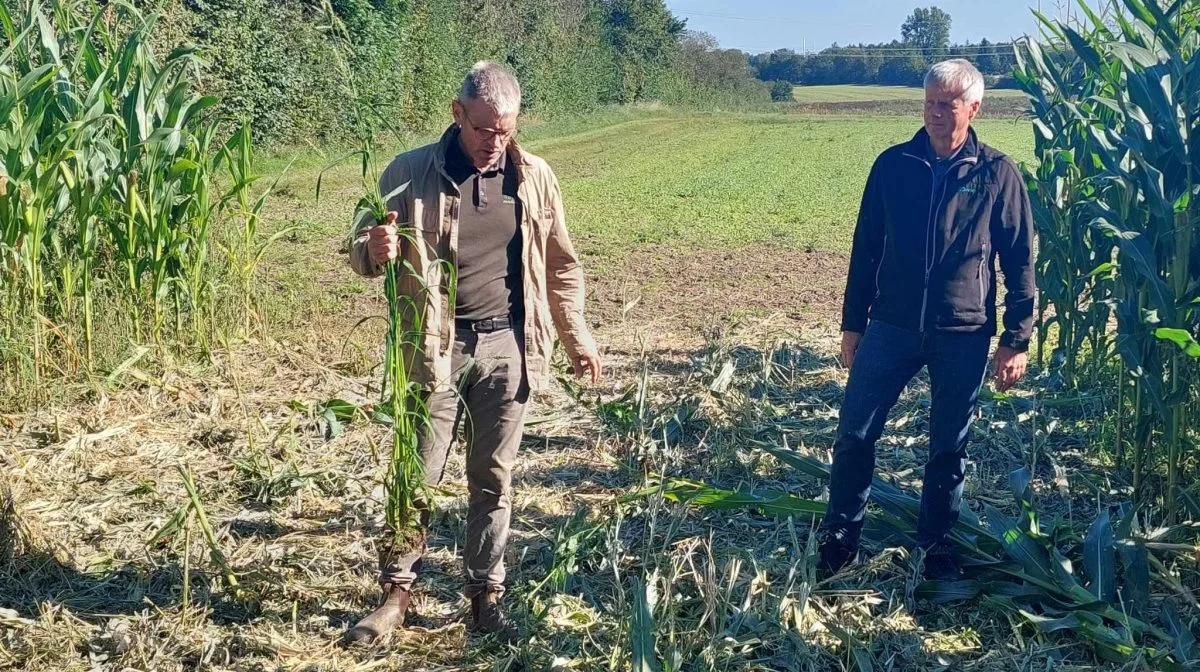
[
  {"x": 761, "y": 20},
  {"x": 953, "y": 47},
  {"x": 995, "y": 48}
]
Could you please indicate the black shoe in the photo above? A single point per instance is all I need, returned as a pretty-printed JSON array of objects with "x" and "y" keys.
[
  {"x": 941, "y": 563},
  {"x": 835, "y": 554}
]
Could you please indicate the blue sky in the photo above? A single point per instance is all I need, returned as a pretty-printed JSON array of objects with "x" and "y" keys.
[{"x": 764, "y": 25}]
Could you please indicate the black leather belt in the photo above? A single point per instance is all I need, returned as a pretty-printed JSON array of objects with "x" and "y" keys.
[{"x": 485, "y": 326}]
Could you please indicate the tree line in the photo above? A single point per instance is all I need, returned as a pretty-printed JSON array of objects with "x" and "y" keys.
[
  {"x": 271, "y": 61},
  {"x": 925, "y": 39}
]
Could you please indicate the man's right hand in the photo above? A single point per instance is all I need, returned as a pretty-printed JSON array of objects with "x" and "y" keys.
[
  {"x": 850, "y": 341},
  {"x": 383, "y": 245}
]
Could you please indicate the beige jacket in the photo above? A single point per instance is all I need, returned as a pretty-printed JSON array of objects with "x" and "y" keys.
[{"x": 428, "y": 211}]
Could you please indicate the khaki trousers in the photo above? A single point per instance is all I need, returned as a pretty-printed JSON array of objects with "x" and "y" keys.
[{"x": 489, "y": 406}]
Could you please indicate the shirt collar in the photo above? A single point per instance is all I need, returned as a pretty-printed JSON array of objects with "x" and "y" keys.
[{"x": 932, "y": 154}]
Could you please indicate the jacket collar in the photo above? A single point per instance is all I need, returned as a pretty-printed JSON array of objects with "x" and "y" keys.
[{"x": 919, "y": 147}]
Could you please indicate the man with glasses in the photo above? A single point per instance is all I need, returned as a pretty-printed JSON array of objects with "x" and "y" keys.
[{"x": 478, "y": 203}]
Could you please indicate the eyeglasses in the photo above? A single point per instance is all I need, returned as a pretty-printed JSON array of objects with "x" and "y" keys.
[{"x": 488, "y": 133}]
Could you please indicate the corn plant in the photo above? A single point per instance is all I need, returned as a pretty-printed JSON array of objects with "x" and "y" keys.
[
  {"x": 245, "y": 252},
  {"x": 197, "y": 175},
  {"x": 30, "y": 74},
  {"x": 1074, "y": 261},
  {"x": 1125, "y": 94},
  {"x": 159, "y": 117},
  {"x": 107, "y": 166}
]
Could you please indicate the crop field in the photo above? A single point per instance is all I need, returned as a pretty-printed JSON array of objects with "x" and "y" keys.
[
  {"x": 728, "y": 181},
  {"x": 849, "y": 93}
]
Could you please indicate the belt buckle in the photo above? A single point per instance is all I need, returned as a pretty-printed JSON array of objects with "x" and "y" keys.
[{"x": 489, "y": 324}]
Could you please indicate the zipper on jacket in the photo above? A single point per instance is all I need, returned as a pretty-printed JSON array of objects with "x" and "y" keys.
[
  {"x": 928, "y": 235},
  {"x": 929, "y": 261}
]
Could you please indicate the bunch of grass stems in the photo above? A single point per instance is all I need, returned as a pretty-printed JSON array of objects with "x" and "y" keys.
[
  {"x": 404, "y": 399},
  {"x": 405, "y": 403}
]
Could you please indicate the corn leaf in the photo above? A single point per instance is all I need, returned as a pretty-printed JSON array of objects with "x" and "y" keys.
[
  {"x": 48, "y": 39},
  {"x": 1185, "y": 649},
  {"x": 862, "y": 658},
  {"x": 7, "y": 24},
  {"x": 1135, "y": 562},
  {"x": 769, "y": 502},
  {"x": 1045, "y": 624},
  {"x": 1084, "y": 49},
  {"x": 1181, "y": 338},
  {"x": 904, "y": 507},
  {"x": 1099, "y": 559},
  {"x": 169, "y": 528},
  {"x": 1020, "y": 482},
  {"x": 946, "y": 592},
  {"x": 641, "y": 630},
  {"x": 1136, "y": 249},
  {"x": 1019, "y": 546}
]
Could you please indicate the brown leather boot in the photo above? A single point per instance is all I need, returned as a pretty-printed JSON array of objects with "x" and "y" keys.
[
  {"x": 488, "y": 618},
  {"x": 387, "y": 617}
]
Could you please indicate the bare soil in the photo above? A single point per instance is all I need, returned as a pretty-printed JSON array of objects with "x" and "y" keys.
[{"x": 677, "y": 294}]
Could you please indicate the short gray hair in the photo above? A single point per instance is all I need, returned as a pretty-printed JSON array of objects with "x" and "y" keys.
[
  {"x": 957, "y": 74},
  {"x": 493, "y": 84}
]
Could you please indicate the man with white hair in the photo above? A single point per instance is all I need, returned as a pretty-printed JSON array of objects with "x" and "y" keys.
[
  {"x": 938, "y": 213},
  {"x": 478, "y": 203}
]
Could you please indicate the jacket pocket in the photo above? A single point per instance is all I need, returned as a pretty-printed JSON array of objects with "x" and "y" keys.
[
  {"x": 983, "y": 260},
  {"x": 544, "y": 220},
  {"x": 537, "y": 214},
  {"x": 879, "y": 266}
]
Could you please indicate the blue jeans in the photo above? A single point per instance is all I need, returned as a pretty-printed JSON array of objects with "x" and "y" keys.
[{"x": 887, "y": 359}]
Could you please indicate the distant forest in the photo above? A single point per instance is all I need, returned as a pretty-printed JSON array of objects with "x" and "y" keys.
[{"x": 925, "y": 39}]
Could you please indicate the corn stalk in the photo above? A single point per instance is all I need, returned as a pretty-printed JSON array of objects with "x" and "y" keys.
[
  {"x": 210, "y": 536},
  {"x": 106, "y": 159},
  {"x": 246, "y": 250},
  {"x": 1016, "y": 568},
  {"x": 1123, "y": 97}
]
